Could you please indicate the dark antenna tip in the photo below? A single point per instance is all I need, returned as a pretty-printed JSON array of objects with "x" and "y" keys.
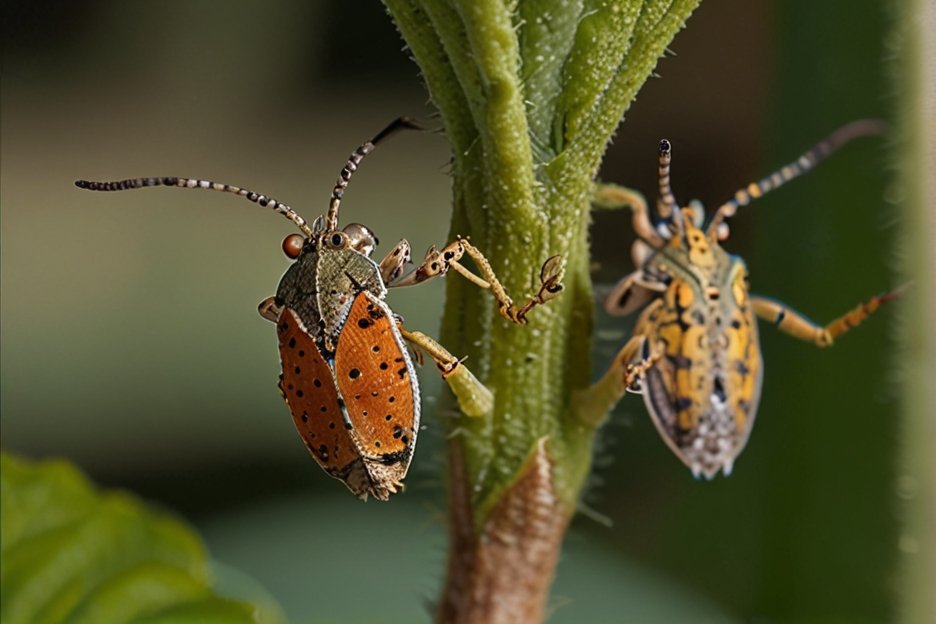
[
  {"x": 82, "y": 184},
  {"x": 409, "y": 122},
  {"x": 664, "y": 146},
  {"x": 400, "y": 123}
]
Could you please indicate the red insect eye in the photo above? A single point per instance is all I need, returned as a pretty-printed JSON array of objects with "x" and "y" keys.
[{"x": 292, "y": 245}]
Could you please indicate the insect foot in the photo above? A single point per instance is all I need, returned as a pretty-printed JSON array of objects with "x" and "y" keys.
[
  {"x": 439, "y": 261},
  {"x": 694, "y": 351},
  {"x": 550, "y": 286},
  {"x": 347, "y": 377}
]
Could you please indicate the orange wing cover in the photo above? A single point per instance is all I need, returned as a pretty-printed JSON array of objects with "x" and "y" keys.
[
  {"x": 378, "y": 383},
  {"x": 309, "y": 389},
  {"x": 360, "y": 419}
]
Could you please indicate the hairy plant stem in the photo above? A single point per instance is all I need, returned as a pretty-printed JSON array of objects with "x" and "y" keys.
[
  {"x": 529, "y": 92},
  {"x": 915, "y": 154}
]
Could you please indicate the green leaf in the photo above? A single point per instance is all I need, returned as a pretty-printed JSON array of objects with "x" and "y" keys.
[{"x": 71, "y": 553}]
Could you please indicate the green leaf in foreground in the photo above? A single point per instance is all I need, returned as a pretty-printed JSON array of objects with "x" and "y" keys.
[{"x": 72, "y": 553}]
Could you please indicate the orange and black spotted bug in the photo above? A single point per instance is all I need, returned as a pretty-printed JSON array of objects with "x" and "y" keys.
[
  {"x": 346, "y": 376},
  {"x": 694, "y": 353}
]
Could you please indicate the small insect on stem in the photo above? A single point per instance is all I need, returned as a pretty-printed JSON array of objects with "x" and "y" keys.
[
  {"x": 347, "y": 376},
  {"x": 694, "y": 354}
]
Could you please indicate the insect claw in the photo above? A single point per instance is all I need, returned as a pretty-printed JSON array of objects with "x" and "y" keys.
[
  {"x": 894, "y": 294},
  {"x": 636, "y": 387},
  {"x": 447, "y": 368},
  {"x": 634, "y": 371},
  {"x": 551, "y": 277},
  {"x": 510, "y": 313},
  {"x": 456, "y": 364}
]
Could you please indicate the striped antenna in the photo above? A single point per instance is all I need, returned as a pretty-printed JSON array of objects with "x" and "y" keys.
[
  {"x": 666, "y": 202},
  {"x": 263, "y": 200},
  {"x": 331, "y": 220},
  {"x": 812, "y": 157}
]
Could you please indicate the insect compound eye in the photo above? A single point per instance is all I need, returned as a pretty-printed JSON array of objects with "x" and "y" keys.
[
  {"x": 292, "y": 245},
  {"x": 361, "y": 238},
  {"x": 337, "y": 240}
]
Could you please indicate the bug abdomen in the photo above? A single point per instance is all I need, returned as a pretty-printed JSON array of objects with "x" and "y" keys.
[
  {"x": 703, "y": 391},
  {"x": 327, "y": 425}
]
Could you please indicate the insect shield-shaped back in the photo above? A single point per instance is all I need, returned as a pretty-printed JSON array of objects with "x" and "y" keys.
[
  {"x": 347, "y": 377},
  {"x": 702, "y": 393},
  {"x": 694, "y": 353},
  {"x": 346, "y": 374}
]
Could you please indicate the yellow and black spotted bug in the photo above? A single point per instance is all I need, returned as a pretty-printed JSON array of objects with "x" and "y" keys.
[
  {"x": 694, "y": 353},
  {"x": 346, "y": 374}
]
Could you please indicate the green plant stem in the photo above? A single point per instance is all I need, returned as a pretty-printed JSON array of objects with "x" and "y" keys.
[
  {"x": 530, "y": 93},
  {"x": 915, "y": 154}
]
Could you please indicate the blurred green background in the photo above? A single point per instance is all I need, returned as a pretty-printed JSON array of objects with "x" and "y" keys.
[{"x": 131, "y": 342}]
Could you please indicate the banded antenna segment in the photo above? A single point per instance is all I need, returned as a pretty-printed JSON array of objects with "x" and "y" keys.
[
  {"x": 257, "y": 198},
  {"x": 812, "y": 157},
  {"x": 400, "y": 123},
  {"x": 667, "y": 209}
]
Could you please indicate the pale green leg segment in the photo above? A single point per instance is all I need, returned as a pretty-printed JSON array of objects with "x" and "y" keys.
[
  {"x": 474, "y": 398},
  {"x": 592, "y": 405}
]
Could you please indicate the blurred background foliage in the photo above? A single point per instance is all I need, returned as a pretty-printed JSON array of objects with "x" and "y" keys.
[
  {"x": 73, "y": 553},
  {"x": 131, "y": 344}
]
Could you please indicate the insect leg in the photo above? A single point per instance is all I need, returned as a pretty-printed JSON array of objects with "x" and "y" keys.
[
  {"x": 391, "y": 267},
  {"x": 612, "y": 196},
  {"x": 269, "y": 309},
  {"x": 627, "y": 296},
  {"x": 474, "y": 398},
  {"x": 550, "y": 286},
  {"x": 438, "y": 262},
  {"x": 798, "y": 326},
  {"x": 446, "y": 362},
  {"x": 592, "y": 405},
  {"x": 634, "y": 368},
  {"x": 550, "y": 277}
]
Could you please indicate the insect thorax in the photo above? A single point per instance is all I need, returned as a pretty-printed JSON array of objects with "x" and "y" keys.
[{"x": 321, "y": 285}]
